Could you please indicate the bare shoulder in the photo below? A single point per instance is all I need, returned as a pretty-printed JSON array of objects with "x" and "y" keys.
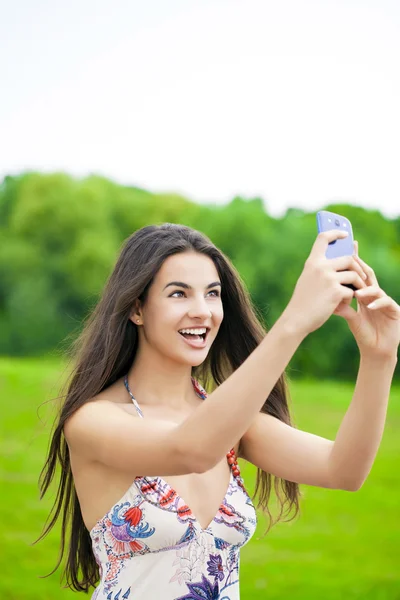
[
  {"x": 105, "y": 402},
  {"x": 114, "y": 394}
]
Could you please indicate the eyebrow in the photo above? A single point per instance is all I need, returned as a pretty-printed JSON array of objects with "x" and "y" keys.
[{"x": 189, "y": 287}]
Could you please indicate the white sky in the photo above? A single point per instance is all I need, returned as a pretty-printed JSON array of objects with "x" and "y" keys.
[{"x": 294, "y": 101}]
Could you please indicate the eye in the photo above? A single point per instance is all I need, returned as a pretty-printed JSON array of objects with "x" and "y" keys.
[{"x": 180, "y": 292}]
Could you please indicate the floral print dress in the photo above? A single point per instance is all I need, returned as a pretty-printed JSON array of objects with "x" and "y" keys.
[{"x": 150, "y": 546}]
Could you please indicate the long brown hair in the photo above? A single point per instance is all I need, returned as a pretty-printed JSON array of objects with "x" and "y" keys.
[{"x": 104, "y": 352}]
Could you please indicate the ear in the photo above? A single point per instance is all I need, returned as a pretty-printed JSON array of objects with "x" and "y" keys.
[{"x": 135, "y": 312}]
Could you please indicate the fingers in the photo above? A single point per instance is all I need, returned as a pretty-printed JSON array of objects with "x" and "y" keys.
[
  {"x": 368, "y": 270},
  {"x": 345, "y": 263},
  {"x": 371, "y": 291},
  {"x": 376, "y": 299},
  {"x": 387, "y": 305},
  {"x": 350, "y": 277},
  {"x": 323, "y": 239},
  {"x": 347, "y": 295}
]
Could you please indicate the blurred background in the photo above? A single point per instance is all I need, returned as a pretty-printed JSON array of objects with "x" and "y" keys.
[{"x": 240, "y": 119}]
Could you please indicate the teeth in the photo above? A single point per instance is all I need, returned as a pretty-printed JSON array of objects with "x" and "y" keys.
[{"x": 194, "y": 331}]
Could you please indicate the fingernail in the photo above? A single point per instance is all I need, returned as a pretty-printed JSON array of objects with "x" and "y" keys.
[
  {"x": 372, "y": 305},
  {"x": 364, "y": 275}
]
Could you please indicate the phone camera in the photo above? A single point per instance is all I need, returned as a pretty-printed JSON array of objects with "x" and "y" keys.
[{"x": 337, "y": 222}]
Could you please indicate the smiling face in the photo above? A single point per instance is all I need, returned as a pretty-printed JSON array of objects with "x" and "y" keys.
[{"x": 169, "y": 308}]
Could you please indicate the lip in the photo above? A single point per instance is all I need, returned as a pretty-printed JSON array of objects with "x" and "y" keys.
[{"x": 195, "y": 344}]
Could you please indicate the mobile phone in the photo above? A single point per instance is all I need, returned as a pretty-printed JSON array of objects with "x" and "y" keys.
[{"x": 327, "y": 220}]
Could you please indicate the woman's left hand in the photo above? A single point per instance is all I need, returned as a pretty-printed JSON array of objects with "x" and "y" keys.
[{"x": 376, "y": 327}]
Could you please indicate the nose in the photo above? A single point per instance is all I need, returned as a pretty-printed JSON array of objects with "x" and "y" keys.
[{"x": 199, "y": 309}]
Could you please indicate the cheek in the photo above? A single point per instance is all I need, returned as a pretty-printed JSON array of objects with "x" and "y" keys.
[{"x": 218, "y": 317}]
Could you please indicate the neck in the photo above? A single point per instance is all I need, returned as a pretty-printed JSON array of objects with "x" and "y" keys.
[{"x": 161, "y": 383}]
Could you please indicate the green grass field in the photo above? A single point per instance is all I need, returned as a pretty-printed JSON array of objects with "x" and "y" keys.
[{"x": 343, "y": 546}]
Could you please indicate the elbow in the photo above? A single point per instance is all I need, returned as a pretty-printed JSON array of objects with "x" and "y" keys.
[
  {"x": 353, "y": 487},
  {"x": 346, "y": 483}
]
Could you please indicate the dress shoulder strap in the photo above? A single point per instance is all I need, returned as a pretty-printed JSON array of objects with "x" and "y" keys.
[
  {"x": 138, "y": 409},
  {"x": 199, "y": 388}
]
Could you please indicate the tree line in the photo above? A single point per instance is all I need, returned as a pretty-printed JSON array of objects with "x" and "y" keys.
[{"x": 60, "y": 237}]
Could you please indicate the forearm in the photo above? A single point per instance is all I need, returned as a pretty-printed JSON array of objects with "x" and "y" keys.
[
  {"x": 221, "y": 421},
  {"x": 361, "y": 430}
]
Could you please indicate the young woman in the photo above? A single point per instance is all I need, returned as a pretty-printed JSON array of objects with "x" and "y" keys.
[{"x": 150, "y": 484}]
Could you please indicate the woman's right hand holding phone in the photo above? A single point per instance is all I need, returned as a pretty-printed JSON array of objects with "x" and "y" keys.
[{"x": 319, "y": 289}]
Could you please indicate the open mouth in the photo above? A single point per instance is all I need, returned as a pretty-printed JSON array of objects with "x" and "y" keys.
[{"x": 201, "y": 336}]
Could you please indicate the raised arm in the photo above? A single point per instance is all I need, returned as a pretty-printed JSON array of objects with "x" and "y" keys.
[
  {"x": 345, "y": 463},
  {"x": 233, "y": 406}
]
